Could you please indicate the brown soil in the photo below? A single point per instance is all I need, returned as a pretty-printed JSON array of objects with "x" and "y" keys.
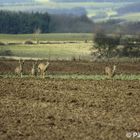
[
  {"x": 73, "y": 67},
  {"x": 32, "y": 109}
]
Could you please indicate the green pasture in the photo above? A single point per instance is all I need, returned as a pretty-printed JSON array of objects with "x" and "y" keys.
[
  {"x": 56, "y": 46},
  {"x": 61, "y": 46},
  {"x": 95, "y": 77},
  {"x": 131, "y": 17},
  {"x": 46, "y": 37}
]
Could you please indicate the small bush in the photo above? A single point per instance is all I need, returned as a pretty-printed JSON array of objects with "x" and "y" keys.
[
  {"x": 14, "y": 43},
  {"x": 28, "y": 42},
  {"x": 2, "y": 44},
  {"x": 73, "y": 58}
]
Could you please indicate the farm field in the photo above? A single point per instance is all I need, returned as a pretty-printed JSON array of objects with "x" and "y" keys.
[
  {"x": 52, "y": 50},
  {"x": 73, "y": 67},
  {"x": 68, "y": 109},
  {"x": 131, "y": 17},
  {"x": 75, "y": 100},
  {"x": 46, "y": 37},
  {"x": 52, "y": 46}
]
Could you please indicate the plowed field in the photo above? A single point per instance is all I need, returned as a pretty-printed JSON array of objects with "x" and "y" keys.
[{"x": 56, "y": 109}]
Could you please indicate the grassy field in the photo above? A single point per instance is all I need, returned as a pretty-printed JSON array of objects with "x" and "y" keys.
[
  {"x": 80, "y": 77},
  {"x": 131, "y": 17},
  {"x": 54, "y": 46},
  {"x": 51, "y": 51},
  {"x": 61, "y": 46},
  {"x": 46, "y": 37}
]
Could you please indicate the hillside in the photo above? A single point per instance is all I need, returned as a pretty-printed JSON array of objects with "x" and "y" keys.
[
  {"x": 24, "y": 1},
  {"x": 15, "y": 1},
  {"x": 95, "y": 0},
  {"x": 130, "y": 8},
  {"x": 97, "y": 10}
]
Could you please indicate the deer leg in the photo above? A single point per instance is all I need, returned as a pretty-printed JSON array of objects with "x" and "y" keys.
[
  {"x": 43, "y": 75},
  {"x": 21, "y": 75}
]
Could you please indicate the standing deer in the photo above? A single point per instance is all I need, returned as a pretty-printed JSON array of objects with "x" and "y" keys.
[
  {"x": 19, "y": 69},
  {"x": 110, "y": 71},
  {"x": 42, "y": 68},
  {"x": 34, "y": 69}
]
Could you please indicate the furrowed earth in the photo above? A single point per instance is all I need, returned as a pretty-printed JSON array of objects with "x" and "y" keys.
[
  {"x": 58, "y": 109},
  {"x": 73, "y": 67},
  {"x": 68, "y": 109}
]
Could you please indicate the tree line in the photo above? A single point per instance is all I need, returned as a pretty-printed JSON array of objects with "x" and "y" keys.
[
  {"x": 115, "y": 45},
  {"x": 18, "y": 22},
  {"x": 23, "y": 23}
]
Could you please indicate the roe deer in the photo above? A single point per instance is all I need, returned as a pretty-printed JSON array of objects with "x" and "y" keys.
[
  {"x": 42, "y": 68},
  {"x": 19, "y": 69},
  {"x": 34, "y": 69},
  {"x": 110, "y": 71}
]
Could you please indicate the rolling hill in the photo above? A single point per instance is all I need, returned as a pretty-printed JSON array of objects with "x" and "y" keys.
[
  {"x": 98, "y": 10},
  {"x": 15, "y": 1}
]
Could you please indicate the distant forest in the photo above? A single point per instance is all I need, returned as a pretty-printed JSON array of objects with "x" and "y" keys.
[
  {"x": 25, "y": 23},
  {"x": 22, "y": 23}
]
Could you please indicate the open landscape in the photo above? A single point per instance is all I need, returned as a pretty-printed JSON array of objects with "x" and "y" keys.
[
  {"x": 96, "y": 10},
  {"x": 69, "y": 69},
  {"x": 51, "y": 46},
  {"x": 75, "y": 100}
]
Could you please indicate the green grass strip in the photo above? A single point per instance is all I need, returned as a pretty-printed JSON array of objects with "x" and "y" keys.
[{"x": 80, "y": 77}]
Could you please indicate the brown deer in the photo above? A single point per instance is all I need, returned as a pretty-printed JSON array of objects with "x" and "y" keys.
[
  {"x": 34, "y": 69},
  {"x": 19, "y": 69},
  {"x": 42, "y": 68},
  {"x": 110, "y": 71}
]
